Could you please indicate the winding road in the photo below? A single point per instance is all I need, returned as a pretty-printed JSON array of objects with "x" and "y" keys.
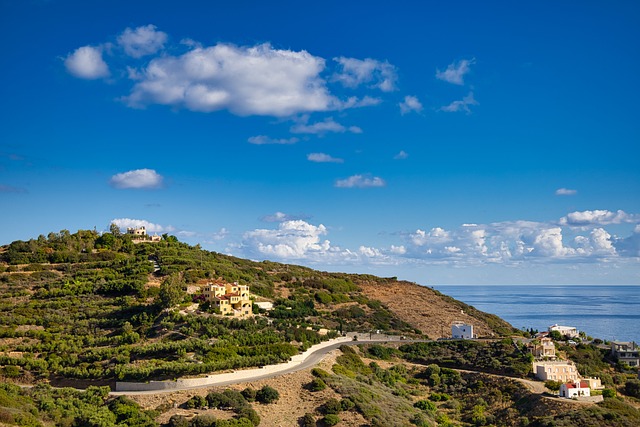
[{"x": 306, "y": 360}]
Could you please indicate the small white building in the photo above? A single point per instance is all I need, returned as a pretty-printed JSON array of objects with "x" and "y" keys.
[
  {"x": 568, "y": 331},
  {"x": 264, "y": 305},
  {"x": 575, "y": 389},
  {"x": 460, "y": 330}
]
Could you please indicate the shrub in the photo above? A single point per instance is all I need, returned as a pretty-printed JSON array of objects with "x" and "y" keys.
[
  {"x": 267, "y": 395},
  {"x": 439, "y": 397},
  {"x": 425, "y": 405},
  {"x": 608, "y": 393},
  {"x": 250, "y": 414},
  {"x": 347, "y": 404},
  {"x": 249, "y": 394},
  {"x": 331, "y": 419},
  {"x": 320, "y": 373},
  {"x": 178, "y": 421},
  {"x": 332, "y": 406},
  {"x": 632, "y": 388},
  {"x": 307, "y": 420},
  {"x": 552, "y": 385},
  {"x": 317, "y": 385}
]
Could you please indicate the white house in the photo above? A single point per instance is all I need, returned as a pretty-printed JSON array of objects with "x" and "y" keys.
[
  {"x": 462, "y": 330},
  {"x": 569, "y": 331},
  {"x": 575, "y": 389}
]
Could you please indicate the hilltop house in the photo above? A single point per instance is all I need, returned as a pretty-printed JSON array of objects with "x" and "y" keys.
[
  {"x": 460, "y": 330},
  {"x": 626, "y": 352},
  {"x": 575, "y": 389},
  {"x": 561, "y": 371},
  {"x": 230, "y": 298},
  {"x": 544, "y": 348},
  {"x": 140, "y": 233},
  {"x": 568, "y": 331}
]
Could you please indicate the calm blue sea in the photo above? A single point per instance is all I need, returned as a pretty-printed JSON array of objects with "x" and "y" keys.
[{"x": 610, "y": 312}]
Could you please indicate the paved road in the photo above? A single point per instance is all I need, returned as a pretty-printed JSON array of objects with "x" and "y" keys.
[{"x": 311, "y": 359}]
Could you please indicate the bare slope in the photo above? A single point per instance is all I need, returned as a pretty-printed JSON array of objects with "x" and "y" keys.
[{"x": 430, "y": 311}]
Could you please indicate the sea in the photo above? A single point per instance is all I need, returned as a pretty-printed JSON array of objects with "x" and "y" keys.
[{"x": 608, "y": 312}]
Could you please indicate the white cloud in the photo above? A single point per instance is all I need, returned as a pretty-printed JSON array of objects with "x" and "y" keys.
[
  {"x": 323, "y": 158},
  {"x": 598, "y": 217},
  {"x": 258, "y": 80},
  {"x": 462, "y": 105},
  {"x": 548, "y": 243},
  {"x": 142, "y": 41},
  {"x": 514, "y": 244},
  {"x": 456, "y": 71},
  {"x": 321, "y": 128},
  {"x": 436, "y": 236},
  {"x": 566, "y": 192},
  {"x": 124, "y": 223},
  {"x": 86, "y": 63},
  {"x": 410, "y": 104},
  {"x": 401, "y": 155},
  {"x": 398, "y": 250},
  {"x": 139, "y": 178},
  {"x": 291, "y": 240},
  {"x": 355, "y": 72},
  {"x": 281, "y": 217},
  {"x": 360, "y": 181},
  {"x": 264, "y": 140}
]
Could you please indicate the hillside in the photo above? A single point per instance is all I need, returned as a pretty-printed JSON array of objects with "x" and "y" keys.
[
  {"x": 85, "y": 306},
  {"x": 86, "y": 309}
]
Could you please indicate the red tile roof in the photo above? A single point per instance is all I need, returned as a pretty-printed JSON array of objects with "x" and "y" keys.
[{"x": 581, "y": 384}]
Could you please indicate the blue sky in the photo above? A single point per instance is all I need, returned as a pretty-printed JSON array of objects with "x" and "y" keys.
[{"x": 440, "y": 142}]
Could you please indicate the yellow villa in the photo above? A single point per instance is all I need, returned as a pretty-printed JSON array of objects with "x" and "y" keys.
[{"x": 230, "y": 298}]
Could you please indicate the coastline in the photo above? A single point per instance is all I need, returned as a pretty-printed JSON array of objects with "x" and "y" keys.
[{"x": 608, "y": 312}]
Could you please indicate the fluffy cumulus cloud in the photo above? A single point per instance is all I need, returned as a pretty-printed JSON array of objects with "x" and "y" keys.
[
  {"x": 86, "y": 63},
  {"x": 244, "y": 80},
  {"x": 509, "y": 243},
  {"x": 323, "y": 158},
  {"x": 257, "y": 80},
  {"x": 295, "y": 239},
  {"x": 566, "y": 192},
  {"x": 410, "y": 104},
  {"x": 137, "y": 179},
  {"x": 265, "y": 140},
  {"x": 456, "y": 71},
  {"x": 360, "y": 181},
  {"x": 518, "y": 241},
  {"x": 598, "y": 217},
  {"x": 320, "y": 128},
  {"x": 142, "y": 41},
  {"x": 461, "y": 105},
  {"x": 124, "y": 223},
  {"x": 355, "y": 72}
]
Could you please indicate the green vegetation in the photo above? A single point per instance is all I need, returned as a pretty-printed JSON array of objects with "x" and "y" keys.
[
  {"x": 43, "y": 405},
  {"x": 98, "y": 308},
  {"x": 499, "y": 357},
  {"x": 83, "y": 306}
]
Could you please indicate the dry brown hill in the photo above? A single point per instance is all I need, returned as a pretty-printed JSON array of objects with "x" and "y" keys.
[{"x": 430, "y": 311}]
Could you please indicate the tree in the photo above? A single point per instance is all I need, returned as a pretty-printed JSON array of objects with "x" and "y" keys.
[
  {"x": 114, "y": 229},
  {"x": 171, "y": 292},
  {"x": 632, "y": 388}
]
